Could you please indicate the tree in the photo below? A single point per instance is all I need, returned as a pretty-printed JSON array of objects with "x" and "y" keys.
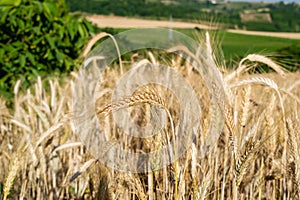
[{"x": 38, "y": 38}]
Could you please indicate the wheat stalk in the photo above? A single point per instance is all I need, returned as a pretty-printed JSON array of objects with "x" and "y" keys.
[
  {"x": 82, "y": 169},
  {"x": 97, "y": 37}
]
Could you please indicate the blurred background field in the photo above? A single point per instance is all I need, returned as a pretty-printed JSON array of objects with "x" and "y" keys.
[{"x": 243, "y": 15}]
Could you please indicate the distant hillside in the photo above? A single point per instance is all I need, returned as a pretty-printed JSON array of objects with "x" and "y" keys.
[{"x": 240, "y": 15}]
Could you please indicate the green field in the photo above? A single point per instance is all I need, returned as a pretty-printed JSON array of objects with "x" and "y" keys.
[
  {"x": 235, "y": 46},
  {"x": 239, "y": 45}
]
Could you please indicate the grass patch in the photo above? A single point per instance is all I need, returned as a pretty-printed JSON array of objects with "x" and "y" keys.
[
  {"x": 238, "y": 45},
  {"x": 234, "y": 45}
]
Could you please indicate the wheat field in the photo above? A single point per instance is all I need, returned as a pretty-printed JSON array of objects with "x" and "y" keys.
[{"x": 255, "y": 157}]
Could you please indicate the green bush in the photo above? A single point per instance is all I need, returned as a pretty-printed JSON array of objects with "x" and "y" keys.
[{"x": 38, "y": 38}]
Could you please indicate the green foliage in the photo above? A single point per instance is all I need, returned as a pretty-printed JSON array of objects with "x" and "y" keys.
[
  {"x": 142, "y": 8},
  {"x": 285, "y": 16},
  {"x": 1, "y": 188},
  {"x": 38, "y": 38},
  {"x": 262, "y": 26},
  {"x": 292, "y": 55}
]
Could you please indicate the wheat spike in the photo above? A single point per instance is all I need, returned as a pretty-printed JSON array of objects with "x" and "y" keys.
[
  {"x": 254, "y": 58},
  {"x": 144, "y": 96},
  {"x": 245, "y": 107},
  {"x": 231, "y": 127},
  {"x": 14, "y": 168},
  {"x": 245, "y": 160},
  {"x": 293, "y": 156}
]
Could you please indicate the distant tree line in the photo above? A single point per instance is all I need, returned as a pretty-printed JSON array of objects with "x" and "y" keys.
[{"x": 285, "y": 17}]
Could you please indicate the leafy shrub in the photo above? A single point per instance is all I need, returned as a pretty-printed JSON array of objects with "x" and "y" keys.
[{"x": 38, "y": 38}]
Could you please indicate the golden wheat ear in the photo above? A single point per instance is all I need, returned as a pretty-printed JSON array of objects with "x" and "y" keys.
[
  {"x": 144, "y": 95},
  {"x": 15, "y": 165},
  {"x": 255, "y": 58},
  {"x": 293, "y": 157},
  {"x": 14, "y": 168}
]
